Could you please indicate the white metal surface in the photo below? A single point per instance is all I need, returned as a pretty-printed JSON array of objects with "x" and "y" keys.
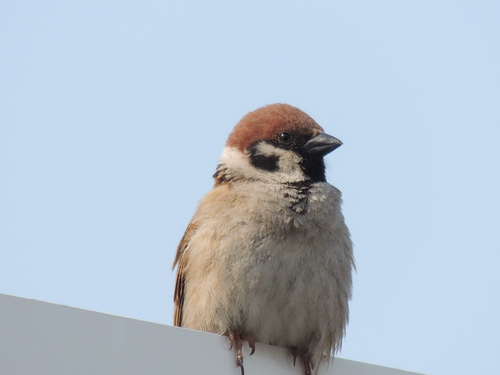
[{"x": 47, "y": 339}]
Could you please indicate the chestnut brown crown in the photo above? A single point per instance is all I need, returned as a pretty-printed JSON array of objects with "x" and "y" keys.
[{"x": 267, "y": 122}]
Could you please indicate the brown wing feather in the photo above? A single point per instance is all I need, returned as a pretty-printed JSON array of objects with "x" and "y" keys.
[{"x": 180, "y": 279}]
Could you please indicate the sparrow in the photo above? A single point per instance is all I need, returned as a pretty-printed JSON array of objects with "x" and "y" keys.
[{"x": 267, "y": 256}]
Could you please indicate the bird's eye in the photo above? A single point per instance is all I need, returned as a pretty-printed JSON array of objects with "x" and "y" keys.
[{"x": 284, "y": 138}]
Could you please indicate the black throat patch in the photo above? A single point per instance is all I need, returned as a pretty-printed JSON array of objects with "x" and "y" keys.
[{"x": 313, "y": 167}]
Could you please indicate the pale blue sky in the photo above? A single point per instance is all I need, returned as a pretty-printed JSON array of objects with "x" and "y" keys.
[{"x": 113, "y": 115}]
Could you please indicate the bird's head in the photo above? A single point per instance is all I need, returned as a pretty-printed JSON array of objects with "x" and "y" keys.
[{"x": 276, "y": 143}]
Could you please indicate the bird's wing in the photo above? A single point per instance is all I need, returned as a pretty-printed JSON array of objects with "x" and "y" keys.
[{"x": 180, "y": 280}]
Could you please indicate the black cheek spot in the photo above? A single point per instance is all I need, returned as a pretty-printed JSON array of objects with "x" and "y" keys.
[{"x": 268, "y": 163}]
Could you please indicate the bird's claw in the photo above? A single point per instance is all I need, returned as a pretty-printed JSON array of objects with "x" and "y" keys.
[
  {"x": 251, "y": 342},
  {"x": 236, "y": 339},
  {"x": 308, "y": 364},
  {"x": 295, "y": 353},
  {"x": 306, "y": 360}
]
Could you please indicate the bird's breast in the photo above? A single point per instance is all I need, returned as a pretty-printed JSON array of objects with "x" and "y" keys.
[{"x": 272, "y": 261}]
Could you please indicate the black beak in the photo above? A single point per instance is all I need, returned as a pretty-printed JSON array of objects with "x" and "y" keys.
[{"x": 322, "y": 144}]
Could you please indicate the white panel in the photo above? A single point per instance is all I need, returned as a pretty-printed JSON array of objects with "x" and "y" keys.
[{"x": 40, "y": 338}]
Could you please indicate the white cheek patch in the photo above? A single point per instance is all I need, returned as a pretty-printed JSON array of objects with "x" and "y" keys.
[
  {"x": 288, "y": 161},
  {"x": 238, "y": 164}
]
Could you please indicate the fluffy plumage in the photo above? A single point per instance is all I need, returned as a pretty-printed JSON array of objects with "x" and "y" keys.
[{"x": 267, "y": 253}]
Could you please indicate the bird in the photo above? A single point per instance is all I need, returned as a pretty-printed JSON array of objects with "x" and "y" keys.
[{"x": 267, "y": 256}]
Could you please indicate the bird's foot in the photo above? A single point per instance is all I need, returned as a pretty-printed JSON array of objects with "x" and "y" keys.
[
  {"x": 306, "y": 359},
  {"x": 295, "y": 353},
  {"x": 308, "y": 364},
  {"x": 236, "y": 339}
]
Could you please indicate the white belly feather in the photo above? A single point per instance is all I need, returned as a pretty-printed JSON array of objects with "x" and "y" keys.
[{"x": 291, "y": 266}]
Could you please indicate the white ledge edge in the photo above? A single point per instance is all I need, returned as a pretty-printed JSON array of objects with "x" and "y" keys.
[{"x": 48, "y": 339}]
